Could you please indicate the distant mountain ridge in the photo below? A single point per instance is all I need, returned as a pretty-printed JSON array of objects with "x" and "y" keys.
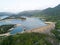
[
  {"x": 52, "y": 11},
  {"x": 29, "y": 13},
  {"x": 48, "y": 11},
  {"x": 6, "y": 13}
]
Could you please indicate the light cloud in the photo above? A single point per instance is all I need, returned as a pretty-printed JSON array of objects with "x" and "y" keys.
[{"x": 22, "y": 5}]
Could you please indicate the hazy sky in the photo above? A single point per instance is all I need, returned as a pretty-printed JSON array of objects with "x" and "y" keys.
[{"x": 22, "y": 5}]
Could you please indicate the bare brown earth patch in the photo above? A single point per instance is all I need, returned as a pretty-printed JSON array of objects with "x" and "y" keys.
[{"x": 44, "y": 29}]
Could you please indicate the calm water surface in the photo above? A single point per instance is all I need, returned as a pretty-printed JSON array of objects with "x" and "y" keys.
[{"x": 28, "y": 24}]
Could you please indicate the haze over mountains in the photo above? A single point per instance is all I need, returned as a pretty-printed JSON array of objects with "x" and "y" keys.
[
  {"x": 48, "y": 11},
  {"x": 6, "y": 13}
]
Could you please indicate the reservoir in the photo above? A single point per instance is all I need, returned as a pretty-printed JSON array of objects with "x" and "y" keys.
[{"x": 28, "y": 24}]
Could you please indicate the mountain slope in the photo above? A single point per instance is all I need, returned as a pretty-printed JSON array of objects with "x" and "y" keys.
[
  {"x": 49, "y": 11},
  {"x": 52, "y": 11}
]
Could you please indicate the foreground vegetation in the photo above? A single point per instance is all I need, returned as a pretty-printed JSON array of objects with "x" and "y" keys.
[
  {"x": 28, "y": 39},
  {"x": 5, "y": 28}
]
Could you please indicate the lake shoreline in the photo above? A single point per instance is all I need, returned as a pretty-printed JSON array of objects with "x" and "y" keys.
[{"x": 44, "y": 29}]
